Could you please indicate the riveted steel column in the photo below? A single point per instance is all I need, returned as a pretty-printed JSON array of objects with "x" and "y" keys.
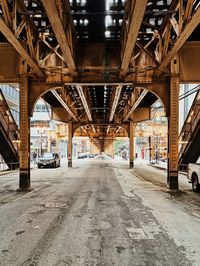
[
  {"x": 131, "y": 145},
  {"x": 24, "y": 153},
  {"x": 69, "y": 150},
  {"x": 172, "y": 177}
]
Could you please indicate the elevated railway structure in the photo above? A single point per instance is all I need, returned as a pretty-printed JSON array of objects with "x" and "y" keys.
[{"x": 100, "y": 65}]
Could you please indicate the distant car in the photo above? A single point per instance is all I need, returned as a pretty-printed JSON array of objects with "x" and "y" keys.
[
  {"x": 49, "y": 159},
  {"x": 82, "y": 155},
  {"x": 91, "y": 155}
]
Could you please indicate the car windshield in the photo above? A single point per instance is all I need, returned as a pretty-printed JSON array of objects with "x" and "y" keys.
[{"x": 48, "y": 155}]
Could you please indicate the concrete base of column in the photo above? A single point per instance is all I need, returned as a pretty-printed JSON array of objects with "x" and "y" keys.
[
  {"x": 131, "y": 164},
  {"x": 69, "y": 163},
  {"x": 24, "y": 180},
  {"x": 172, "y": 180}
]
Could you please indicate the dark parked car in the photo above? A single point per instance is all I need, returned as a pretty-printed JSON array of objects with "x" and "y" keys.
[
  {"x": 49, "y": 159},
  {"x": 82, "y": 156}
]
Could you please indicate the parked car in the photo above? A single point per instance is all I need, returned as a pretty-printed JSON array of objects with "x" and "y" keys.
[
  {"x": 194, "y": 175},
  {"x": 82, "y": 156},
  {"x": 49, "y": 159}
]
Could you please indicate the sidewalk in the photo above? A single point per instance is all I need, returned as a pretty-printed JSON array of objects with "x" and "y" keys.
[
  {"x": 163, "y": 166},
  {"x": 160, "y": 165},
  {"x": 7, "y": 171}
]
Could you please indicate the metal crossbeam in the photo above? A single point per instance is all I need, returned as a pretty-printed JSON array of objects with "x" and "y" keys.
[
  {"x": 54, "y": 18},
  {"x": 135, "y": 105},
  {"x": 84, "y": 101},
  {"x": 19, "y": 48},
  {"x": 187, "y": 31},
  {"x": 115, "y": 102},
  {"x": 64, "y": 105},
  {"x": 136, "y": 21}
]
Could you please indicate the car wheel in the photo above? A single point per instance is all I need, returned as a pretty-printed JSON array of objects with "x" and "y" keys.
[
  {"x": 39, "y": 166},
  {"x": 195, "y": 184},
  {"x": 54, "y": 165},
  {"x": 59, "y": 164}
]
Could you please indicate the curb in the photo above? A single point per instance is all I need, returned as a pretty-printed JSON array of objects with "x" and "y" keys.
[
  {"x": 163, "y": 168},
  {"x": 157, "y": 166}
]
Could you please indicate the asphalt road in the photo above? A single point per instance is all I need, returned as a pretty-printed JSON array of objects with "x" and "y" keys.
[{"x": 98, "y": 213}]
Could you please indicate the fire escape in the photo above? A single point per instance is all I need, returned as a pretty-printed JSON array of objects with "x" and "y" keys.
[
  {"x": 190, "y": 135},
  {"x": 9, "y": 135}
]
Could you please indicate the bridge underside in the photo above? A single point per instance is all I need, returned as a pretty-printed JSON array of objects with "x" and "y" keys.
[{"x": 100, "y": 65}]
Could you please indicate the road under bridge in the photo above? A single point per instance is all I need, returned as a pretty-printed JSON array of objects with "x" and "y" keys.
[
  {"x": 100, "y": 65},
  {"x": 99, "y": 212}
]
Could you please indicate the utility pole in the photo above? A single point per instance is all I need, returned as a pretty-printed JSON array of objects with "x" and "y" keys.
[{"x": 150, "y": 149}]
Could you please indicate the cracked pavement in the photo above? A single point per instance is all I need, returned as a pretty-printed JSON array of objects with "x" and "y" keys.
[{"x": 98, "y": 213}]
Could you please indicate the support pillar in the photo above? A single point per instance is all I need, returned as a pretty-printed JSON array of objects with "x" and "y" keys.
[
  {"x": 131, "y": 145},
  {"x": 24, "y": 152},
  {"x": 172, "y": 173},
  {"x": 69, "y": 150}
]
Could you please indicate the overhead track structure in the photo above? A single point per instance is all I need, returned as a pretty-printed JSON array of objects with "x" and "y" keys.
[
  {"x": 84, "y": 101},
  {"x": 118, "y": 90},
  {"x": 19, "y": 48},
  {"x": 135, "y": 11},
  {"x": 103, "y": 55},
  {"x": 55, "y": 20},
  {"x": 178, "y": 28}
]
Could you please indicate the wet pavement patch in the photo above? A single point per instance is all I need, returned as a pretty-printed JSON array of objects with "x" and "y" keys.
[
  {"x": 4, "y": 251},
  {"x": 19, "y": 232},
  {"x": 37, "y": 213},
  {"x": 120, "y": 249},
  {"x": 177, "y": 193}
]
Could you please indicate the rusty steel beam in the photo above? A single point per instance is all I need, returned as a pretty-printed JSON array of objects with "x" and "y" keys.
[
  {"x": 173, "y": 155},
  {"x": 94, "y": 129},
  {"x": 6, "y": 13},
  {"x": 64, "y": 105},
  {"x": 19, "y": 48},
  {"x": 142, "y": 95},
  {"x": 24, "y": 151},
  {"x": 115, "y": 102},
  {"x": 84, "y": 101},
  {"x": 57, "y": 26},
  {"x": 184, "y": 35},
  {"x": 135, "y": 23}
]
